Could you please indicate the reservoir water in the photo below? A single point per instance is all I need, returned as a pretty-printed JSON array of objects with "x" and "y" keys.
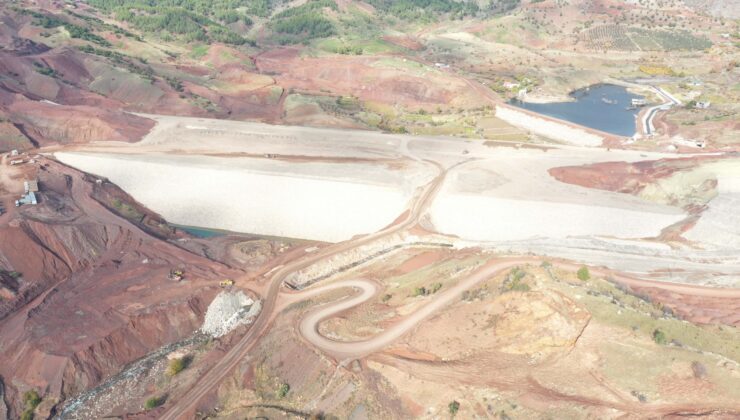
[
  {"x": 602, "y": 107},
  {"x": 200, "y": 232}
]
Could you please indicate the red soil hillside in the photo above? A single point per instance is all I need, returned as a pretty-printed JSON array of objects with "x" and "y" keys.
[
  {"x": 46, "y": 123},
  {"x": 85, "y": 285}
]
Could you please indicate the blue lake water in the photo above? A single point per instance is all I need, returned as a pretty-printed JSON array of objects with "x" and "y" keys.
[
  {"x": 200, "y": 232},
  {"x": 602, "y": 107}
]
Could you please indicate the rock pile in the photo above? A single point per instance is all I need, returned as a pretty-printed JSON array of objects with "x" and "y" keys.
[{"x": 229, "y": 310}]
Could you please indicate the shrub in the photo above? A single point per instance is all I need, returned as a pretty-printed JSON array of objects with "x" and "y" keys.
[
  {"x": 659, "y": 337},
  {"x": 283, "y": 390},
  {"x": 513, "y": 281},
  {"x": 31, "y": 399},
  {"x": 176, "y": 366},
  {"x": 583, "y": 273},
  {"x": 43, "y": 69},
  {"x": 175, "y": 83},
  {"x": 454, "y": 407},
  {"x": 698, "y": 369},
  {"x": 154, "y": 402},
  {"x": 436, "y": 287},
  {"x": 386, "y": 298},
  {"x": 420, "y": 291},
  {"x": 516, "y": 274}
]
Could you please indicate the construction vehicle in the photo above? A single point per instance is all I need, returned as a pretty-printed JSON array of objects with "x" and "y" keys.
[
  {"x": 225, "y": 283},
  {"x": 176, "y": 275}
]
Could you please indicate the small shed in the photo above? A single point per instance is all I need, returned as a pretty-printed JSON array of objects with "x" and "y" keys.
[
  {"x": 29, "y": 198},
  {"x": 31, "y": 186}
]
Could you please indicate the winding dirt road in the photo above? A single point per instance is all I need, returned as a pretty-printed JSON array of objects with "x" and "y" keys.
[
  {"x": 349, "y": 350},
  {"x": 345, "y": 351},
  {"x": 185, "y": 404}
]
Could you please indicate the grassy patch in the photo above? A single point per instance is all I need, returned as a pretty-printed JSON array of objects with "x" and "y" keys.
[
  {"x": 657, "y": 70},
  {"x": 199, "y": 51},
  {"x": 126, "y": 210},
  {"x": 445, "y": 271},
  {"x": 613, "y": 306}
]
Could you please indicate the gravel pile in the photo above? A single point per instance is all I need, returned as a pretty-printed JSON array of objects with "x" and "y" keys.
[{"x": 229, "y": 310}]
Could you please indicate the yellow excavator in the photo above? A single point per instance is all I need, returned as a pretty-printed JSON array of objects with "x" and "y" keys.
[
  {"x": 226, "y": 283},
  {"x": 176, "y": 275}
]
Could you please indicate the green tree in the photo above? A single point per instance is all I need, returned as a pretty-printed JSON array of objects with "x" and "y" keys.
[
  {"x": 583, "y": 273},
  {"x": 659, "y": 337},
  {"x": 454, "y": 407},
  {"x": 283, "y": 390}
]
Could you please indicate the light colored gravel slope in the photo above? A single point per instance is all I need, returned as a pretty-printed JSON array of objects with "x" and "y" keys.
[
  {"x": 548, "y": 128},
  {"x": 512, "y": 197},
  {"x": 719, "y": 225},
  {"x": 485, "y": 218},
  {"x": 214, "y": 194}
]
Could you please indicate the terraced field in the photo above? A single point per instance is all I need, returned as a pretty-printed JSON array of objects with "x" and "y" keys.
[{"x": 621, "y": 38}]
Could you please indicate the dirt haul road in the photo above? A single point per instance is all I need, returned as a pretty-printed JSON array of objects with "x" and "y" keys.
[
  {"x": 185, "y": 404},
  {"x": 345, "y": 351},
  {"x": 349, "y": 350}
]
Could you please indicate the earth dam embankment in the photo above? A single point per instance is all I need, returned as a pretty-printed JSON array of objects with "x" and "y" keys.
[{"x": 316, "y": 200}]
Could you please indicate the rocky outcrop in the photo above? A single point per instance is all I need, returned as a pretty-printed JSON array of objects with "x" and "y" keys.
[{"x": 538, "y": 323}]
